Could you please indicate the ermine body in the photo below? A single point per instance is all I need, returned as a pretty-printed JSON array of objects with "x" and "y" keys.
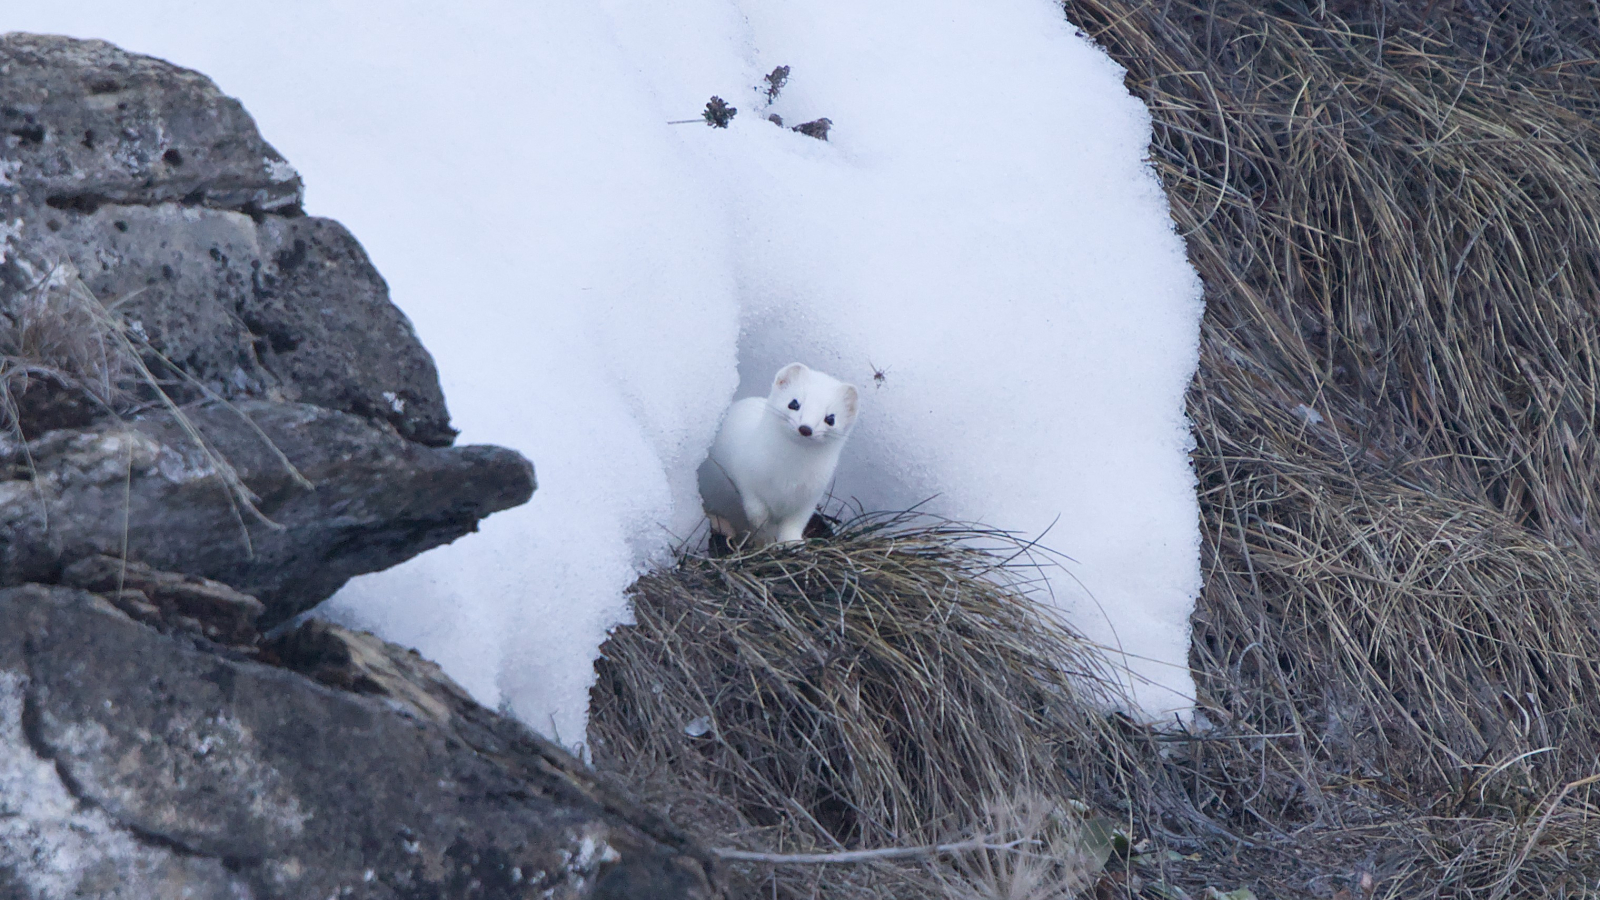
[{"x": 774, "y": 457}]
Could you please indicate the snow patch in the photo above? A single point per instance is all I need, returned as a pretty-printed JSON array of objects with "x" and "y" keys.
[
  {"x": 1307, "y": 414},
  {"x": 596, "y": 285}
]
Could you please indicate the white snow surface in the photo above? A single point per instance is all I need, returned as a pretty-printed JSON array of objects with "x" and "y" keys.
[{"x": 597, "y": 285}]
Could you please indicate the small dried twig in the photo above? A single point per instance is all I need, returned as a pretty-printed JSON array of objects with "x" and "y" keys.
[
  {"x": 775, "y": 80},
  {"x": 717, "y": 114}
]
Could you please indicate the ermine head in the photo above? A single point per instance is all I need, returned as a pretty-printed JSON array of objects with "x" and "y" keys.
[{"x": 814, "y": 407}]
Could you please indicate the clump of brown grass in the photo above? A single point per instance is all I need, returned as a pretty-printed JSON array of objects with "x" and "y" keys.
[{"x": 877, "y": 689}]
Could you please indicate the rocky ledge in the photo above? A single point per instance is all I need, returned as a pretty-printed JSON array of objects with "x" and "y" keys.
[
  {"x": 211, "y": 417},
  {"x": 136, "y": 764}
]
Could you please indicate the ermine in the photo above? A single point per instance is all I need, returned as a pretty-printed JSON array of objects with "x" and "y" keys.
[{"x": 774, "y": 456}]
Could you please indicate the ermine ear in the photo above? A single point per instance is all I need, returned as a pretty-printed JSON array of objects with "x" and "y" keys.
[
  {"x": 849, "y": 398},
  {"x": 788, "y": 375}
]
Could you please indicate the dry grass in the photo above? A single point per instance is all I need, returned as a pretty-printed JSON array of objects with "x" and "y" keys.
[
  {"x": 1398, "y": 232},
  {"x": 1047, "y": 854},
  {"x": 887, "y": 687},
  {"x": 1396, "y": 214},
  {"x": 1396, "y": 211},
  {"x": 61, "y": 362}
]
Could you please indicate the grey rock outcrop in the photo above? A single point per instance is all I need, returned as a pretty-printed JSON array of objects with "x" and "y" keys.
[
  {"x": 285, "y": 309},
  {"x": 86, "y": 123},
  {"x": 211, "y": 416},
  {"x": 136, "y": 764},
  {"x": 182, "y": 344},
  {"x": 182, "y": 216},
  {"x": 369, "y": 499}
]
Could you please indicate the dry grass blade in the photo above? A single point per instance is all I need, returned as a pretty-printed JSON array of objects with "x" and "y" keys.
[
  {"x": 52, "y": 340},
  {"x": 1059, "y": 860}
]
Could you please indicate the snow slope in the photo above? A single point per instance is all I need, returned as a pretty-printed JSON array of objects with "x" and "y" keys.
[{"x": 597, "y": 284}]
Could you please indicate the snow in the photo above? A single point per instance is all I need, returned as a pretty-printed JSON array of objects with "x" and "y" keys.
[{"x": 596, "y": 285}]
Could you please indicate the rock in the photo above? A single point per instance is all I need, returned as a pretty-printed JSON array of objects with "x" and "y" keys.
[
  {"x": 221, "y": 613},
  {"x": 159, "y": 192},
  {"x": 360, "y": 662},
  {"x": 342, "y": 500},
  {"x": 211, "y": 417},
  {"x": 135, "y": 765},
  {"x": 153, "y": 256},
  {"x": 283, "y": 309},
  {"x": 85, "y": 123},
  {"x": 207, "y": 261}
]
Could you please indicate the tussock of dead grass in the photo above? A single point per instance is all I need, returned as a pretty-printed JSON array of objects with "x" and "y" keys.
[
  {"x": 1396, "y": 212},
  {"x": 887, "y": 687}
]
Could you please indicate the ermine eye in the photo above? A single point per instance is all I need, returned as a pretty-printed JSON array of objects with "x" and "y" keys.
[
  {"x": 828, "y": 418},
  {"x": 794, "y": 404}
]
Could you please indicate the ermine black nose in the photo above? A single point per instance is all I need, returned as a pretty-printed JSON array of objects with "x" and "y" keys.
[{"x": 805, "y": 430}]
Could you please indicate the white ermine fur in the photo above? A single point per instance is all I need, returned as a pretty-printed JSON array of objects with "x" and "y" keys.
[{"x": 774, "y": 456}]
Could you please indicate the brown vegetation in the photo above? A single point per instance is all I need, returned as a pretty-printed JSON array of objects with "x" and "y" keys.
[{"x": 889, "y": 686}]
